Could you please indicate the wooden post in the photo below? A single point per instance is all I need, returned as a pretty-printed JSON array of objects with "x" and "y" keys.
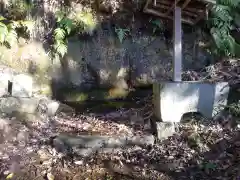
[{"x": 177, "y": 61}]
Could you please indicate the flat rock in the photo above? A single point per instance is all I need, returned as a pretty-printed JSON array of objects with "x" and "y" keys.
[
  {"x": 88, "y": 144},
  {"x": 9, "y": 105},
  {"x": 22, "y": 85}
]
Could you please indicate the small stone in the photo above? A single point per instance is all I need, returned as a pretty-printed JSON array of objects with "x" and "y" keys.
[
  {"x": 52, "y": 108},
  {"x": 22, "y": 86},
  {"x": 165, "y": 129},
  {"x": 78, "y": 162},
  {"x": 49, "y": 107},
  {"x": 44, "y": 154},
  {"x": 143, "y": 140}
]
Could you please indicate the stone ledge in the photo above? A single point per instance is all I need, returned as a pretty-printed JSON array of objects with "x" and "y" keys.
[
  {"x": 32, "y": 105},
  {"x": 86, "y": 145}
]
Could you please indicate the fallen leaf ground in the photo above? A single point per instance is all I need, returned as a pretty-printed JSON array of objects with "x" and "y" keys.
[{"x": 201, "y": 149}]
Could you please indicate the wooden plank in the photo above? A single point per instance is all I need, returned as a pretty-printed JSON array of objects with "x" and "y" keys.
[
  {"x": 162, "y": 6},
  {"x": 172, "y": 7},
  {"x": 177, "y": 61},
  {"x": 163, "y": 15},
  {"x": 146, "y": 5},
  {"x": 203, "y": 14},
  {"x": 189, "y": 9},
  {"x": 198, "y": 1},
  {"x": 185, "y": 4}
]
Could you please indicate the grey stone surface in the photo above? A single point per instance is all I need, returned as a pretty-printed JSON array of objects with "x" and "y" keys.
[
  {"x": 165, "y": 129},
  {"x": 174, "y": 99},
  {"x": 5, "y": 78},
  {"x": 50, "y": 107},
  {"x": 22, "y": 85},
  {"x": 87, "y": 144},
  {"x": 9, "y": 105},
  {"x": 150, "y": 57}
]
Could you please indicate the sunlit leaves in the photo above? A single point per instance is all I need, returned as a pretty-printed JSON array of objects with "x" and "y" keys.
[
  {"x": 8, "y": 32},
  {"x": 86, "y": 20},
  {"x": 80, "y": 22},
  {"x": 230, "y": 3},
  {"x": 11, "y": 37},
  {"x": 67, "y": 24},
  {"x": 59, "y": 15},
  {"x": 60, "y": 47},
  {"x": 59, "y": 34},
  {"x": 3, "y": 32}
]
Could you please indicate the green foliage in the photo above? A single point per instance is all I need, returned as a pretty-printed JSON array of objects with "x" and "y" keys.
[
  {"x": 157, "y": 25},
  {"x": 222, "y": 22},
  {"x": 121, "y": 33},
  {"x": 85, "y": 21},
  {"x": 67, "y": 25},
  {"x": 234, "y": 109},
  {"x": 63, "y": 30},
  {"x": 8, "y": 31},
  {"x": 18, "y": 9}
]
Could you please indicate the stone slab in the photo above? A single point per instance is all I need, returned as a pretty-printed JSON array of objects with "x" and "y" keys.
[
  {"x": 22, "y": 85},
  {"x": 88, "y": 144},
  {"x": 9, "y": 105},
  {"x": 173, "y": 99}
]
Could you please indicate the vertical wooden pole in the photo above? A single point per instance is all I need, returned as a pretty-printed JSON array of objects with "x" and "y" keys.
[{"x": 177, "y": 61}]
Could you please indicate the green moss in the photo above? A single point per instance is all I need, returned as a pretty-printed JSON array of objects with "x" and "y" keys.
[
  {"x": 75, "y": 96},
  {"x": 117, "y": 94},
  {"x": 46, "y": 90}
]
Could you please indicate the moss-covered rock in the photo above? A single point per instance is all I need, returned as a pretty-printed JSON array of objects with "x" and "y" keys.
[{"x": 100, "y": 94}]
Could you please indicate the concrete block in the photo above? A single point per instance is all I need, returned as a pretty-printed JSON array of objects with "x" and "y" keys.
[
  {"x": 22, "y": 85},
  {"x": 4, "y": 80},
  {"x": 174, "y": 99}
]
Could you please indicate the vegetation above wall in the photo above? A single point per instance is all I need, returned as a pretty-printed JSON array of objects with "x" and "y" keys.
[{"x": 223, "y": 22}]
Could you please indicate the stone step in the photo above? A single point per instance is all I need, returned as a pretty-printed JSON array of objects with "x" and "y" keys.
[{"x": 86, "y": 145}]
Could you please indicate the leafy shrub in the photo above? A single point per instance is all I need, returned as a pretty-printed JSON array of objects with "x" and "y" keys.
[
  {"x": 8, "y": 30},
  {"x": 223, "y": 18},
  {"x": 18, "y": 9},
  {"x": 67, "y": 25}
]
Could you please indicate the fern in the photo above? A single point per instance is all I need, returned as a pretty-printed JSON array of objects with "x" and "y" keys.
[
  {"x": 67, "y": 24},
  {"x": 8, "y": 32},
  {"x": 61, "y": 33}
]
